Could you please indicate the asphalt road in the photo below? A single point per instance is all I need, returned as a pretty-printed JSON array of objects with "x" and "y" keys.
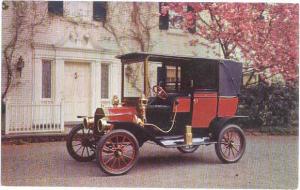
[{"x": 269, "y": 162}]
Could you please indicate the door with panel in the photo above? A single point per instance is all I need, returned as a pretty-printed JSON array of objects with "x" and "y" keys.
[{"x": 77, "y": 88}]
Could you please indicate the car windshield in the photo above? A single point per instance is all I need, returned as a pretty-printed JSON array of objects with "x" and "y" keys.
[
  {"x": 165, "y": 75},
  {"x": 133, "y": 79}
]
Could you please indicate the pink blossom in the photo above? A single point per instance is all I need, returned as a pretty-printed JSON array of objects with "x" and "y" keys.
[{"x": 266, "y": 34}]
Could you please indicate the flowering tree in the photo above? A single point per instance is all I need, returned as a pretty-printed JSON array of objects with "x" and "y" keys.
[{"x": 265, "y": 35}]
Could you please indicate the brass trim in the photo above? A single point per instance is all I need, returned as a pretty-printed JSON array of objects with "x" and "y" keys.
[
  {"x": 188, "y": 135},
  {"x": 142, "y": 108},
  {"x": 88, "y": 122},
  {"x": 115, "y": 101},
  {"x": 104, "y": 125},
  {"x": 146, "y": 66}
]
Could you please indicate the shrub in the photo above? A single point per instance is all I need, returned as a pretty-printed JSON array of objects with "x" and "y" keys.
[{"x": 269, "y": 106}]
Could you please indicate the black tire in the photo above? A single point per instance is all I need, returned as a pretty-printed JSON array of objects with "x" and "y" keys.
[
  {"x": 81, "y": 144},
  {"x": 188, "y": 149},
  {"x": 234, "y": 145},
  {"x": 111, "y": 146}
]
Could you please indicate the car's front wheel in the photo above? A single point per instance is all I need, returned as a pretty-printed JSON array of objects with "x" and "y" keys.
[
  {"x": 117, "y": 152},
  {"x": 81, "y": 144},
  {"x": 231, "y": 144}
]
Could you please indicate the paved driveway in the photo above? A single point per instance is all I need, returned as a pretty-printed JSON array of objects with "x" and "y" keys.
[{"x": 269, "y": 162}]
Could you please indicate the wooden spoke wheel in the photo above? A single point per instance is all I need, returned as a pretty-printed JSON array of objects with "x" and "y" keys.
[
  {"x": 81, "y": 144},
  {"x": 188, "y": 148},
  {"x": 117, "y": 152},
  {"x": 231, "y": 144}
]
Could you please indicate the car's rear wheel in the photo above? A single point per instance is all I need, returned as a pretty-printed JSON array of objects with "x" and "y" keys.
[
  {"x": 231, "y": 144},
  {"x": 188, "y": 148},
  {"x": 117, "y": 152},
  {"x": 81, "y": 144}
]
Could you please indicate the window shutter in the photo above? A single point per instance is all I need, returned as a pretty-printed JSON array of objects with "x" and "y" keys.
[
  {"x": 163, "y": 19},
  {"x": 46, "y": 79},
  {"x": 192, "y": 29},
  {"x": 99, "y": 10},
  {"x": 56, "y": 7}
]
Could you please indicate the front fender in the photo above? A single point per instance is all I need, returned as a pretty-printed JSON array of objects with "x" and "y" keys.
[{"x": 138, "y": 131}]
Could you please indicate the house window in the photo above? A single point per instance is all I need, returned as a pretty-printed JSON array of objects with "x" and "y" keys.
[
  {"x": 99, "y": 10},
  {"x": 104, "y": 81},
  {"x": 46, "y": 79},
  {"x": 56, "y": 7},
  {"x": 192, "y": 27},
  {"x": 164, "y": 17},
  {"x": 176, "y": 20},
  {"x": 172, "y": 20}
]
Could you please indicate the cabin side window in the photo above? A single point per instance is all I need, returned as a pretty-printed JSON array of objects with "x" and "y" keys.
[
  {"x": 173, "y": 79},
  {"x": 204, "y": 76}
]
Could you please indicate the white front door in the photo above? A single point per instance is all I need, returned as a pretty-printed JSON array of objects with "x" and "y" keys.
[{"x": 77, "y": 88}]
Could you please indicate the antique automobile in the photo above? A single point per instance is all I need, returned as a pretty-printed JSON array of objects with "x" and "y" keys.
[{"x": 174, "y": 101}]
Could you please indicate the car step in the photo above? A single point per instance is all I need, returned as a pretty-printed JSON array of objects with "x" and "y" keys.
[
  {"x": 169, "y": 137},
  {"x": 180, "y": 142}
]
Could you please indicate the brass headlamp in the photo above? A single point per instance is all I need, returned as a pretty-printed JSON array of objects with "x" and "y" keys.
[
  {"x": 102, "y": 125},
  {"x": 88, "y": 122}
]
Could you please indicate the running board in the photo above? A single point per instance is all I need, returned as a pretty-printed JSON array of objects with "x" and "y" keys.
[
  {"x": 160, "y": 138},
  {"x": 180, "y": 142}
]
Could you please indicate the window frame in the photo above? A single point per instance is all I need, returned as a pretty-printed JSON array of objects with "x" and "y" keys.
[
  {"x": 57, "y": 13},
  {"x": 163, "y": 19},
  {"x": 169, "y": 27},
  {"x": 192, "y": 30},
  {"x": 104, "y": 6},
  {"x": 51, "y": 80},
  {"x": 176, "y": 82}
]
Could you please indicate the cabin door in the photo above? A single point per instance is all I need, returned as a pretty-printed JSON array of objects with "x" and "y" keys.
[{"x": 204, "y": 109}]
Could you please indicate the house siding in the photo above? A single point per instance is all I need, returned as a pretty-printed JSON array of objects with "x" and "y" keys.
[{"x": 76, "y": 37}]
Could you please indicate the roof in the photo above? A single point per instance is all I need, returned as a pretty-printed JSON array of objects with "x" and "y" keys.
[{"x": 164, "y": 57}]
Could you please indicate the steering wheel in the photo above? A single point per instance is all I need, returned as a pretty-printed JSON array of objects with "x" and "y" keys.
[{"x": 160, "y": 92}]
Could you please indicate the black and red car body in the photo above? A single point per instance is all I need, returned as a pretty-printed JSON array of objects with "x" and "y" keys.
[{"x": 197, "y": 107}]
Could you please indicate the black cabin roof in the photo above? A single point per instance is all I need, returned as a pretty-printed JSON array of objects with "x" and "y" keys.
[{"x": 165, "y": 57}]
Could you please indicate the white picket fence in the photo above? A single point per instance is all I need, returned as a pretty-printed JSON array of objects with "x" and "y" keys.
[{"x": 24, "y": 118}]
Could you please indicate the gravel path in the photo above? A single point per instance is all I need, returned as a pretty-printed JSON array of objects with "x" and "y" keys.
[{"x": 269, "y": 162}]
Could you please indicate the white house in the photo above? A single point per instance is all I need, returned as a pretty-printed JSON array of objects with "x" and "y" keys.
[{"x": 70, "y": 67}]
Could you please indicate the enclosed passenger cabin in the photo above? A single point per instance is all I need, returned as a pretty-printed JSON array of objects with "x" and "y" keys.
[{"x": 201, "y": 89}]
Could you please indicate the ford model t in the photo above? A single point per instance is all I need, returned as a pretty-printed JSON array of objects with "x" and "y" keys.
[{"x": 174, "y": 101}]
